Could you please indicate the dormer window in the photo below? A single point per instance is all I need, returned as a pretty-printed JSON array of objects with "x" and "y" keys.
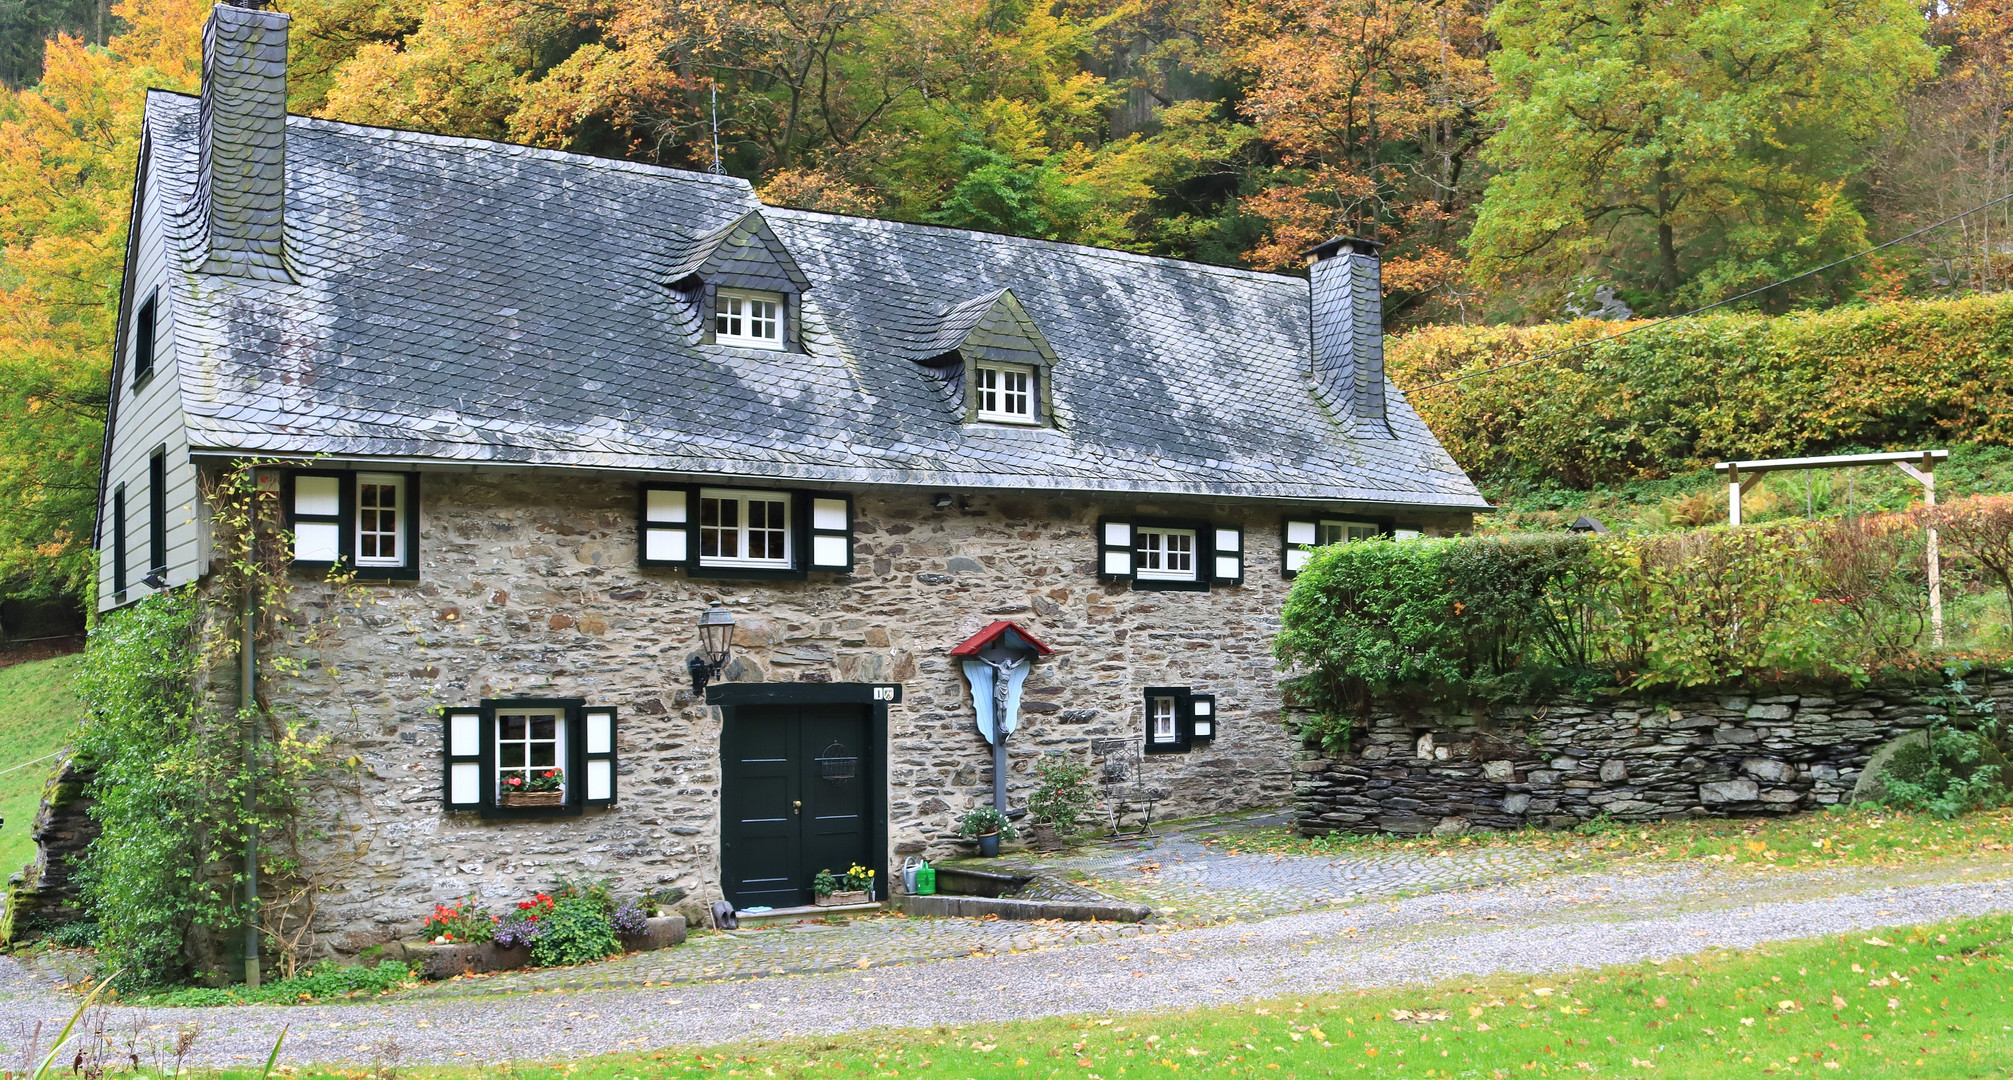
[
  {"x": 1005, "y": 393},
  {"x": 749, "y": 319}
]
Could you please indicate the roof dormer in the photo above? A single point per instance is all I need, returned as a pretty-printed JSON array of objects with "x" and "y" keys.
[
  {"x": 746, "y": 289},
  {"x": 993, "y": 348}
]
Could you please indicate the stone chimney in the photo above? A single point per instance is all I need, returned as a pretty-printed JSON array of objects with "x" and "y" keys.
[
  {"x": 240, "y": 199},
  {"x": 1347, "y": 293}
]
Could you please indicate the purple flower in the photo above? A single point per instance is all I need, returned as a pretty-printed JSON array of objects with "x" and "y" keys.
[
  {"x": 630, "y": 920},
  {"x": 519, "y": 932}
]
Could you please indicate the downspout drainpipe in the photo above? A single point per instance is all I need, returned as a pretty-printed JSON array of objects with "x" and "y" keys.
[{"x": 248, "y": 703}]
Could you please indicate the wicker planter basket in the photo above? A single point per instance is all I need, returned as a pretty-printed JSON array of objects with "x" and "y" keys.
[
  {"x": 533, "y": 798},
  {"x": 840, "y": 899}
]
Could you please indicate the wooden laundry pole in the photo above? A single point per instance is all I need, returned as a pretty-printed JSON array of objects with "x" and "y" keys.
[{"x": 1919, "y": 464}]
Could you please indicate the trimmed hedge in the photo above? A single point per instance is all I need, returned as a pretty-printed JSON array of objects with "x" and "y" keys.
[
  {"x": 1680, "y": 396},
  {"x": 1468, "y": 621}
]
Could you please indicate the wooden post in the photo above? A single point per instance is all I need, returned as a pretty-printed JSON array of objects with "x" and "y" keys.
[{"x": 1733, "y": 496}]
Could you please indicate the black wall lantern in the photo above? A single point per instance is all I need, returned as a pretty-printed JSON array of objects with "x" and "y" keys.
[{"x": 716, "y": 639}]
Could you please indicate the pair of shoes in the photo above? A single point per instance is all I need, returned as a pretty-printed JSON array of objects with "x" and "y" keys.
[{"x": 723, "y": 916}]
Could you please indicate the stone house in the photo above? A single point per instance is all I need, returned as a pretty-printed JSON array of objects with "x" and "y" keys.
[{"x": 551, "y": 409}]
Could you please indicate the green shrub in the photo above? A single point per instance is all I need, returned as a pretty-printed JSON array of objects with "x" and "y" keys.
[
  {"x": 1063, "y": 794},
  {"x": 1963, "y": 762},
  {"x": 1468, "y": 622},
  {"x": 76, "y": 935},
  {"x": 1676, "y": 397},
  {"x": 575, "y": 932}
]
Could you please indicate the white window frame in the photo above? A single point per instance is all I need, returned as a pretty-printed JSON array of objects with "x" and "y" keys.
[
  {"x": 996, "y": 395},
  {"x": 1151, "y": 550},
  {"x": 741, "y": 499},
  {"x": 738, "y": 320},
  {"x": 1171, "y": 715},
  {"x": 1338, "y": 530},
  {"x": 399, "y": 510},
  {"x": 559, "y": 726}
]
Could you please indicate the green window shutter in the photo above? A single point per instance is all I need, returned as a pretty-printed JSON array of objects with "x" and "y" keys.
[
  {"x": 1201, "y": 718},
  {"x": 831, "y": 532},
  {"x": 1297, "y": 539},
  {"x": 317, "y": 505},
  {"x": 463, "y": 778},
  {"x": 1114, "y": 549},
  {"x": 597, "y": 743},
  {"x": 664, "y": 523},
  {"x": 1227, "y": 566}
]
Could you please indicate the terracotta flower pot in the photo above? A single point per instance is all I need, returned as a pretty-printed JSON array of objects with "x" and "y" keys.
[{"x": 533, "y": 798}]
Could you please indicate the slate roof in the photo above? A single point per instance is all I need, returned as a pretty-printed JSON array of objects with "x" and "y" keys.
[{"x": 474, "y": 302}]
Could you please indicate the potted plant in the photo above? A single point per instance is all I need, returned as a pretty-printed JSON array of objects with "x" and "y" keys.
[
  {"x": 536, "y": 789},
  {"x": 988, "y": 826},
  {"x": 1062, "y": 796},
  {"x": 855, "y": 886}
]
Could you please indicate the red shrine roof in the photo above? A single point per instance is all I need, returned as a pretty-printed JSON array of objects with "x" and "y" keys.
[{"x": 993, "y": 633}]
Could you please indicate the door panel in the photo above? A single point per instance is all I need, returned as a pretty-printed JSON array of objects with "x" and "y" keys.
[
  {"x": 837, "y": 829},
  {"x": 794, "y": 800},
  {"x": 760, "y": 823}
]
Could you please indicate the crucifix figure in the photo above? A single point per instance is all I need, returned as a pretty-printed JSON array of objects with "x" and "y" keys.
[{"x": 1005, "y": 666}]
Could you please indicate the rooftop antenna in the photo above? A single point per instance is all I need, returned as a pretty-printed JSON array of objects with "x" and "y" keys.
[{"x": 717, "y": 167}]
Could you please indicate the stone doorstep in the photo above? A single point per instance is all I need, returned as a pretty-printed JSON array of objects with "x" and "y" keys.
[
  {"x": 978, "y": 907},
  {"x": 803, "y": 913}
]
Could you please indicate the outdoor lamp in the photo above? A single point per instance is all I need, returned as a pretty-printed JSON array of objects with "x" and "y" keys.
[{"x": 716, "y": 637}]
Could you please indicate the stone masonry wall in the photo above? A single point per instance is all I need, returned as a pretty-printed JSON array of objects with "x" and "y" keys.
[
  {"x": 1630, "y": 757},
  {"x": 529, "y": 587}
]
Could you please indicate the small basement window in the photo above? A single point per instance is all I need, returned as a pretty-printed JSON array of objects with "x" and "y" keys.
[
  {"x": 744, "y": 528},
  {"x": 1164, "y": 554},
  {"x": 1164, "y": 720},
  {"x": 752, "y": 320},
  {"x": 1005, "y": 393},
  {"x": 1178, "y": 719}
]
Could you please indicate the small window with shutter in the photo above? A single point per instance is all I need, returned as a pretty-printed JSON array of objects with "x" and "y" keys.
[
  {"x": 368, "y": 522},
  {"x": 735, "y": 533},
  {"x": 1178, "y": 719},
  {"x": 1299, "y": 538},
  {"x": 528, "y": 757},
  {"x": 1178, "y": 555}
]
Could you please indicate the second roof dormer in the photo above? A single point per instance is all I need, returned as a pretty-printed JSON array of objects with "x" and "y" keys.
[{"x": 746, "y": 287}]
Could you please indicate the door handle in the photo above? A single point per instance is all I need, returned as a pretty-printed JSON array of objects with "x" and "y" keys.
[{"x": 796, "y": 807}]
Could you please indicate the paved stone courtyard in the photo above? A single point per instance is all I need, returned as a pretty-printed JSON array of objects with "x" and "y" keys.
[{"x": 1192, "y": 874}]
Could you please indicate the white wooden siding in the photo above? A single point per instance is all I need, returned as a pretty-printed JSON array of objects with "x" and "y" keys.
[{"x": 145, "y": 420}]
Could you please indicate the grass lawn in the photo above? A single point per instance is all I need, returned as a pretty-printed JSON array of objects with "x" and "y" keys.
[
  {"x": 1925, "y": 1003},
  {"x": 38, "y": 711},
  {"x": 1841, "y": 836}
]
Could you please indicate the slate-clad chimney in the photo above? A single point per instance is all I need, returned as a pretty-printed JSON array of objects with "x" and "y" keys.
[
  {"x": 1348, "y": 312},
  {"x": 240, "y": 198}
]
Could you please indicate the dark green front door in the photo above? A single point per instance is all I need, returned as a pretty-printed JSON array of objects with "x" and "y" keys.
[{"x": 795, "y": 799}]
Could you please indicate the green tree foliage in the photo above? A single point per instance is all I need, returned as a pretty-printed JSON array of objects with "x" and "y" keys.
[{"x": 1696, "y": 148}]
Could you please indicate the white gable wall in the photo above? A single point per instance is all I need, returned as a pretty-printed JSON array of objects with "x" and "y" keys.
[{"x": 145, "y": 420}]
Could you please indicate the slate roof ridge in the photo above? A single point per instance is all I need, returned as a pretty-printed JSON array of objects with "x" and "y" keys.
[
  {"x": 887, "y": 224},
  {"x": 464, "y": 142}
]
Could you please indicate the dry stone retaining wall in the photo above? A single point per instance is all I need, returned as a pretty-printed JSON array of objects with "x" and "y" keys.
[{"x": 1633, "y": 758}]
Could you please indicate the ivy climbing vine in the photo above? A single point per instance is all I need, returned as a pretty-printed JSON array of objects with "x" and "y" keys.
[{"x": 183, "y": 775}]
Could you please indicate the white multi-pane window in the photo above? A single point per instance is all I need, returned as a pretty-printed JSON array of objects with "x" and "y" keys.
[
  {"x": 1164, "y": 554},
  {"x": 744, "y": 528},
  {"x": 529, "y": 744},
  {"x": 1163, "y": 723},
  {"x": 750, "y": 319},
  {"x": 380, "y": 520},
  {"x": 1005, "y": 393},
  {"x": 1336, "y": 532}
]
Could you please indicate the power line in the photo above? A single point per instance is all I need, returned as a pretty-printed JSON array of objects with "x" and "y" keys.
[{"x": 1709, "y": 307}]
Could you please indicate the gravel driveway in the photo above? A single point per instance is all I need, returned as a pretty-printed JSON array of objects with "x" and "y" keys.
[{"x": 1558, "y": 923}]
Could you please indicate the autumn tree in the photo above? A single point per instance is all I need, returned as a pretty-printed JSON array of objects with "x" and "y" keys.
[
  {"x": 1374, "y": 110},
  {"x": 1693, "y": 148},
  {"x": 68, "y": 149}
]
